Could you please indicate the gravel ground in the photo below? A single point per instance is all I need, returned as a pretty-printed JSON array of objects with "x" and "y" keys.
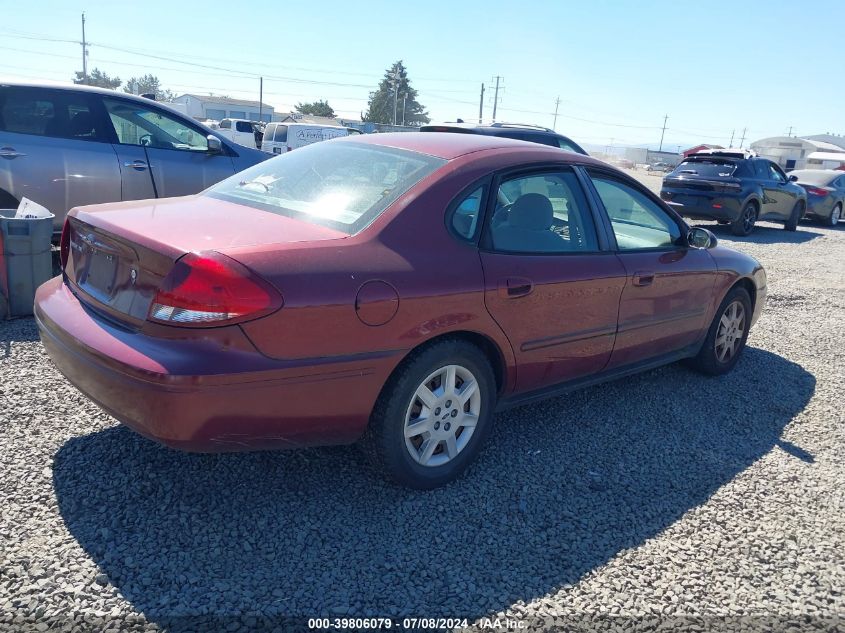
[{"x": 667, "y": 498}]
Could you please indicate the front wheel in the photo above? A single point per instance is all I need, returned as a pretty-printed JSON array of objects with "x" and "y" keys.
[
  {"x": 795, "y": 216},
  {"x": 433, "y": 415},
  {"x": 744, "y": 224},
  {"x": 726, "y": 336},
  {"x": 835, "y": 215}
]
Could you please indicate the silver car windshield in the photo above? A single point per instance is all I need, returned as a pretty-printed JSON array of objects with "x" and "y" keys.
[{"x": 341, "y": 185}]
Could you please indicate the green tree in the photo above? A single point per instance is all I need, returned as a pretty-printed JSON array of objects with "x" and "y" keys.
[
  {"x": 316, "y": 108},
  {"x": 148, "y": 84},
  {"x": 380, "y": 107},
  {"x": 97, "y": 78}
]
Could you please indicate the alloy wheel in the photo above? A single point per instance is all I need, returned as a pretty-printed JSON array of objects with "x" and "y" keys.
[
  {"x": 442, "y": 415},
  {"x": 836, "y": 215},
  {"x": 730, "y": 332},
  {"x": 748, "y": 218}
]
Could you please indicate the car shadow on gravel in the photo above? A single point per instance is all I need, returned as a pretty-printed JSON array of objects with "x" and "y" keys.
[
  {"x": 766, "y": 234},
  {"x": 562, "y": 487}
]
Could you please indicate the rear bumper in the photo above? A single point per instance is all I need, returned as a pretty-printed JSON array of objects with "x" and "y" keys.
[
  {"x": 819, "y": 208},
  {"x": 210, "y": 391},
  {"x": 728, "y": 209}
]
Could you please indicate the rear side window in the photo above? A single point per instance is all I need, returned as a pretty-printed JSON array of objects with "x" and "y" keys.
[
  {"x": 225, "y": 124},
  {"x": 281, "y": 134},
  {"x": 343, "y": 186},
  {"x": 54, "y": 113},
  {"x": 465, "y": 217},
  {"x": 761, "y": 169},
  {"x": 707, "y": 168}
]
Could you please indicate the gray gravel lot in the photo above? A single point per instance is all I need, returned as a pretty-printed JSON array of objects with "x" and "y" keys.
[{"x": 714, "y": 501}]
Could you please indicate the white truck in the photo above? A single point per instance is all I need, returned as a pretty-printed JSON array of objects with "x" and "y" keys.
[
  {"x": 284, "y": 137},
  {"x": 241, "y": 131}
]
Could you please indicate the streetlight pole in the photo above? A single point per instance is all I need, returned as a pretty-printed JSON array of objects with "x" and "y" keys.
[
  {"x": 395, "y": 94},
  {"x": 404, "y": 99}
]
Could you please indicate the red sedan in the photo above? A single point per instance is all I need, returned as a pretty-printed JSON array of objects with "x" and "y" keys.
[{"x": 396, "y": 289}]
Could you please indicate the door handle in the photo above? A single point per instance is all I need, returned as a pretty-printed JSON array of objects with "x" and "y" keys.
[
  {"x": 643, "y": 278},
  {"x": 514, "y": 287},
  {"x": 136, "y": 164},
  {"x": 9, "y": 152}
]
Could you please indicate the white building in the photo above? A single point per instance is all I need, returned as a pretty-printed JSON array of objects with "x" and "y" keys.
[
  {"x": 203, "y": 107},
  {"x": 791, "y": 152}
]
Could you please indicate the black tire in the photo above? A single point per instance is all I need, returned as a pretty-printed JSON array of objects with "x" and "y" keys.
[
  {"x": 707, "y": 360},
  {"x": 795, "y": 216},
  {"x": 834, "y": 218},
  {"x": 384, "y": 442},
  {"x": 744, "y": 224}
]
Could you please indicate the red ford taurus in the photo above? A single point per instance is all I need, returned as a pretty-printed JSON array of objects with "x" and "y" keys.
[{"x": 396, "y": 289}]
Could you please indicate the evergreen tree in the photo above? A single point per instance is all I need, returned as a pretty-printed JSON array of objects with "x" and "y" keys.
[
  {"x": 380, "y": 107},
  {"x": 97, "y": 78},
  {"x": 316, "y": 108},
  {"x": 148, "y": 84}
]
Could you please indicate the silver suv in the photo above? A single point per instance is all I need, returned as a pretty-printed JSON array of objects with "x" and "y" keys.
[{"x": 67, "y": 146}]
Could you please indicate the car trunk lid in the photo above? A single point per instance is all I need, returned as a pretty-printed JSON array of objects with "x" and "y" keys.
[{"x": 119, "y": 254}]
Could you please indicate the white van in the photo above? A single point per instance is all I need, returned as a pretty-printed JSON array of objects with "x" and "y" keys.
[{"x": 283, "y": 137}]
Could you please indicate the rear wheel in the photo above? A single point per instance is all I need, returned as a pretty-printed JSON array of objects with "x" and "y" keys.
[
  {"x": 835, "y": 215},
  {"x": 433, "y": 416},
  {"x": 795, "y": 216},
  {"x": 726, "y": 336},
  {"x": 744, "y": 224}
]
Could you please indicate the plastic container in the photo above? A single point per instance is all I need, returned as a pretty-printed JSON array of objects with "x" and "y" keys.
[{"x": 26, "y": 261}]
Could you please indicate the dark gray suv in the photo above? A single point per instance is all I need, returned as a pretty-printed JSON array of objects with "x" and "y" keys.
[
  {"x": 519, "y": 131},
  {"x": 68, "y": 146}
]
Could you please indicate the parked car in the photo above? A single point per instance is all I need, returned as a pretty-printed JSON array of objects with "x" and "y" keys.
[
  {"x": 825, "y": 193},
  {"x": 734, "y": 188},
  {"x": 518, "y": 131},
  {"x": 658, "y": 166},
  {"x": 241, "y": 131},
  {"x": 66, "y": 146},
  {"x": 391, "y": 288},
  {"x": 284, "y": 137}
]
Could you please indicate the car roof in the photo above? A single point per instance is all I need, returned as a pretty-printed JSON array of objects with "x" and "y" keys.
[{"x": 448, "y": 145}]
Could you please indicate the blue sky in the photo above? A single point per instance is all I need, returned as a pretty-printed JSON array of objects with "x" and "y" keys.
[{"x": 618, "y": 67}]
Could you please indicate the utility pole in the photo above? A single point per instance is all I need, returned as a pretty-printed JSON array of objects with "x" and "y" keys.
[
  {"x": 554, "y": 125},
  {"x": 481, "y": 105},
  {"x": 84, "y": 53},
  {"x": 496, "y": 97},
  {"x": 732, "y": 137},
  {"x": 404, "y": 98},
  {"x": 395, "y": 93},
  {"x": 790, "y": 131},
  {"x": 260, "y": 97},
  {"x": 665, "y": 118},
  {"x": 742, "y": 142}
]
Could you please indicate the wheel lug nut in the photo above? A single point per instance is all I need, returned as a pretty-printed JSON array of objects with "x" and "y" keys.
[
  {"x": 446, "y": 426},
  {"x": 448, "y": 403},
  {"x": 436, "y": 425},
  {"x": 454, "y": 413},
  {"x": 437, "y": 411}
]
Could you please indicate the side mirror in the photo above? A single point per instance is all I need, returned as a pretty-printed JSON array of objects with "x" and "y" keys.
[
  {"x": 215, "y": 146},
  {"x": 793, "y": 178},
  {"x": 701, "y": 238}
]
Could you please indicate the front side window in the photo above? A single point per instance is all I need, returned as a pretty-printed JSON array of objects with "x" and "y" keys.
[
  {"x": 637, "y": 221},
  {"x": 54, "y": 113},
  {"x": 344, "y": 186},
  {"x": 135, "y": 124},
  {"x": 775, "y": 173},
  {"x": 542, "y": 213},
  {"x": 243, "y": 126}
]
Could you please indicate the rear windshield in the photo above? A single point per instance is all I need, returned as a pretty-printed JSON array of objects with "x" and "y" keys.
[
  {"x": 707, "y": 168},
  {"x": 812, "y": 177},
  {"x": 343, "y": 186},
  {"x": 281, "y": 134}
]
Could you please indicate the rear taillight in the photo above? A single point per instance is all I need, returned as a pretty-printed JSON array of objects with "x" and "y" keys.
[
  {"x": 207, "y": 289},
  {"x": 289, "y": 148},
  {"x": 815, "y": 191},
  {"x": 64, "y": 244}
]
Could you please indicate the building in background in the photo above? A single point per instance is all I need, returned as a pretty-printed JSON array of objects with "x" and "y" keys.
[
  {"x": 203, "y": 107},
  {"x": 834, "y": 139},
  {"x": 791, "y": 152}
]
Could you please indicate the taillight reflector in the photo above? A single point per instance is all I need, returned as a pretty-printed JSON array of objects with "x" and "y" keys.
[
  {"x": 816, "y": 191},
  {"x": 207, "y": 289}
]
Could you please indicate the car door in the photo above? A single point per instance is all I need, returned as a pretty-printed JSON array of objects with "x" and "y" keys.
[
  {"x": 548, "y": 283},
  {"x": 162, "y": 154},
  {"x": 664, "y": 305},
  {"x": 55, "y": 150},
  {"x": 781, "y": 191}
]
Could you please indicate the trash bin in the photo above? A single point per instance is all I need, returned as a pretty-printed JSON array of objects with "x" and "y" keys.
[{"x": 25, "y": 260}]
